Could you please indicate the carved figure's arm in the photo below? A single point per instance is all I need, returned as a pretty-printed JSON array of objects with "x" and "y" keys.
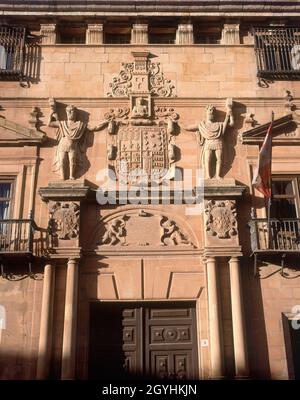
[
  {"x": 99, "y": 127},
  {"x": 191, "y": 128}
]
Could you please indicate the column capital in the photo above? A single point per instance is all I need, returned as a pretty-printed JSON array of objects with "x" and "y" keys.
[
  {"x": 94, "y": 33},
  {"x": 231, "y": 34},
  {"x": 139, "y": 34},
  {"x": 234, "y": 259},
  {"x": 48, "y": 33}
]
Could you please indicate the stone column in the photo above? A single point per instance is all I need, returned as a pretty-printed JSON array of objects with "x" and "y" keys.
[
  {"x": 94, "y": 34},
  {"x": 238, "y": 320},
  {"x": 48, "y": 33},
  {"x": 185, "y": 34},
  {"x": 231, "y": 34},
  {"x": 70, "y": 322},
  {"x": 45, "y": 340},
  {"x": 139, "y": 34},
  {"x": 215, "y": 320}
]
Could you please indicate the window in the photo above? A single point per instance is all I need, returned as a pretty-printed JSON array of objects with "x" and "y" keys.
[
  {"x": 117, "y": 34},
  {"x": 285, "y": 197},
  {"x": 159, "y": 35},
  {"x": 72, "y": 34},
  {"x": 6, "y": 192},
  {"x": 12, "y": 42},
  {"x": 277, "y": 52}
]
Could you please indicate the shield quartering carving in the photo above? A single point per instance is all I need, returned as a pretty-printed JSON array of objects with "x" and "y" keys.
[{"x": 142, "y": 152}]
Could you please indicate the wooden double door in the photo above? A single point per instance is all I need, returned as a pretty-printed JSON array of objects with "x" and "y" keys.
[{"x": 143, "y": 340}]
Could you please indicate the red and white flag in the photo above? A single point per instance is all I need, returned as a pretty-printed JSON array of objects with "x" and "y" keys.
[{"x": 262, "y": 175}]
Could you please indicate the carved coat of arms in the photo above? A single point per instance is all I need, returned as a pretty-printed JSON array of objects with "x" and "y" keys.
[
  {"x": 64, "y": 220},
  {"x": 221, "y": 218},
  {"x": 141, "y": 140},
  {"x": 143, "y": 151}
]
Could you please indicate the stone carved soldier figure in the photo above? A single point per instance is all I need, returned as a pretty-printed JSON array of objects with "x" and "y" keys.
[
  {"x": 211, "y": 138},
  {"x": 72, "y": 141}
]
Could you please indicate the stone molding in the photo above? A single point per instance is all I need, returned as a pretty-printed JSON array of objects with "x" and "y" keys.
[
  {"x": 64, "y": 191},
  {"x": 18, "y": 135},
  {"x": 163, "y": 7},
  {"x": 286, "y": 130}
]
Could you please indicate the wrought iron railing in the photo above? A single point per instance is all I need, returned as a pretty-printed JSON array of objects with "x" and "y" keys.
[
  {"x": 20, "y": 54},
  {"x": 276, "y": 235},
  {"x": 22, "y": 236},
  {"x": 12, "y": 50},
  {"x": 277, "y": 52}
]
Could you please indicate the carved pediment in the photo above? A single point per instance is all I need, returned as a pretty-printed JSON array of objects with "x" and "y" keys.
[
  {"x": 286, "y": 130},
  {"x": 12, "y": 133}
]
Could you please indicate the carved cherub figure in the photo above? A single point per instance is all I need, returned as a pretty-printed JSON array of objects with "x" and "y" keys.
[
  {"x": 171, "y": 234},
  {"x": 115, "y": 233}
]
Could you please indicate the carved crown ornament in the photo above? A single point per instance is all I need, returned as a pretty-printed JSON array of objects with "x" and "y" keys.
[
  {"x": 221, "y": 218},
  {"x": 141, "y": 76},
  {"x": 285, "y": 130}
]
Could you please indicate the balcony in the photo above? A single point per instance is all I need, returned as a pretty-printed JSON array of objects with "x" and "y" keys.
[
  {"x": 277, "y": 51},
  {"x": 274, "y": 237},
  {"x": 21, "y": 242}
]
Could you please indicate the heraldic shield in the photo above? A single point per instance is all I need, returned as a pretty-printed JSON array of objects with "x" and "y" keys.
[{"x": 142, "y": 153}]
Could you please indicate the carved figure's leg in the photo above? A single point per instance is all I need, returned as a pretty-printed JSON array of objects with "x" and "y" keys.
[
  {"x": 207, "y": 163},
  {"x": 219, "y": 163},
  {"x": 72, "y": 163},
  {"x": 62, "y": 164}
]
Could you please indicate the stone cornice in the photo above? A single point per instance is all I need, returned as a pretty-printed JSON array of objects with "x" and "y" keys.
[
  {"x": 103, "y": 102},
  {"x": 152, "y": 8}
]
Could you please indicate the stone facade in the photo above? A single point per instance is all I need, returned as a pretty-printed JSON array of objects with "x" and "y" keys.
[{"x": 141, "y": 98}]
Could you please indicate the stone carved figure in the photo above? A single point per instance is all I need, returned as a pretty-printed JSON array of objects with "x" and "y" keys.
[
  {"x": 115, "y": 232},
  {"x": 211, "y": 138},
  {"x": 140, "y": 110},
  {"x": 171, "y": 234},
  {"x": 64, "y": 220},
  {"x": 72, "y": 141},
  {"x": 221, "y": 218}
]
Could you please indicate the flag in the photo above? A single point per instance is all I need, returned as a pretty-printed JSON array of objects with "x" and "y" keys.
[{"x": 262, "y": 176}]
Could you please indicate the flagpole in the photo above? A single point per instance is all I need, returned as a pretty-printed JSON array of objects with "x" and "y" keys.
[{"x": 270, "y": 197}]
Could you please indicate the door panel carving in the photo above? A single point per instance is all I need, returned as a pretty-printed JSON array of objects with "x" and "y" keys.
[{"x": 154, "y": 340}]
